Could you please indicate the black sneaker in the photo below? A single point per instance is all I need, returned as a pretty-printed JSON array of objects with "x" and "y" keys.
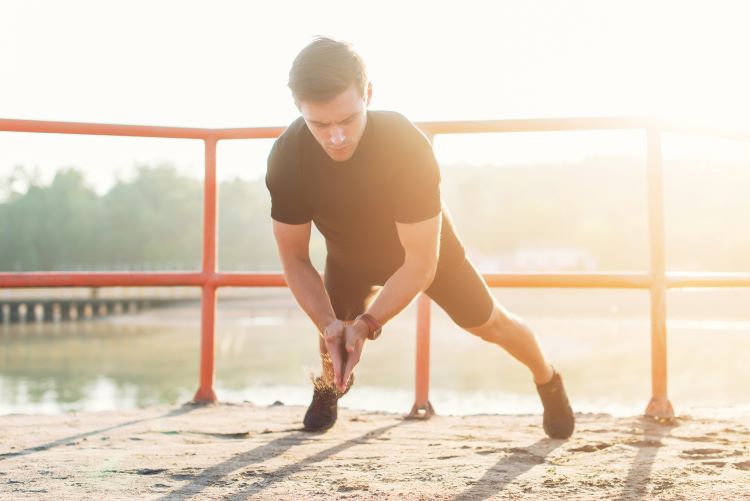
[
  {"x": 559, "y": 420},
  {"x": 323, "y": 409}
]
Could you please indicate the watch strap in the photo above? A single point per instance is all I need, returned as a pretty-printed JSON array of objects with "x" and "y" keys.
[{"x": 373, "y": 326}]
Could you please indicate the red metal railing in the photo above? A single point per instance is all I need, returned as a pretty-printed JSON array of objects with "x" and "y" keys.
[{"x": 656, "y": 280}]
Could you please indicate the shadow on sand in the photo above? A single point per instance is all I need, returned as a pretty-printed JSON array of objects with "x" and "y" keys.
[
  {"x": 184, "y": 409},
  {"x": 497, "y": 477},
  {"x": 261, "y": 454},
  {"x": 651, "y": 432}
]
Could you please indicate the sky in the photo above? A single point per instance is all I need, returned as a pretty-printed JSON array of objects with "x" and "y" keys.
[{"x": 225, "y": 64}]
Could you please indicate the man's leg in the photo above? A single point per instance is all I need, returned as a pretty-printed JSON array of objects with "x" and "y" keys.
[
  {"x": 511, "y": 333},
  {"x": 349, "y": 293},
  {"x": 462, "y": 293}
]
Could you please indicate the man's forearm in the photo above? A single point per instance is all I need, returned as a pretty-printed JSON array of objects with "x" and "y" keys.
[
  {"x": 400, "y": 290},
  {"x": 308, "y": 289}
]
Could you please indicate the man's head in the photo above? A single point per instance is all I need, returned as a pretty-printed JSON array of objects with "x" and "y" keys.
[{"x": 330, "y": 88}]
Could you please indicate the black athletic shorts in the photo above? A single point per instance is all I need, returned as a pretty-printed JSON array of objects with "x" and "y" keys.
[{"x": 458, "y": 289}]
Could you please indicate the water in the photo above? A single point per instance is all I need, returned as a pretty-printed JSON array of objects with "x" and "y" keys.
[{"x": 266, "y": 351}]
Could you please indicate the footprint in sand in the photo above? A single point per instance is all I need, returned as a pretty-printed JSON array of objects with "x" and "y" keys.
[
  {"x": 645, "y": 442},
  {"x": 591, "y": 447},
  {"x": 485, "y": 452},
  {"x": 737, "y": 430},
  {"x": 703, "y": 438},
  {"x": 148, "y": 471},
  {"x": 708, "y": 453},
  {"x": 744, "y": 465}
]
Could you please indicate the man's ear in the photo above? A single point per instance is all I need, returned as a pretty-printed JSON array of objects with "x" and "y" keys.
[{"x": 369, "y": 94}]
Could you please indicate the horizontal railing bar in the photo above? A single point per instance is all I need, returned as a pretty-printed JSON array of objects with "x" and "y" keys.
[
  {"x": 480, "y": 126},
  {"x": 250, "y": 279},
  {"x": 623, "y": 280},
  {"x": 94, "y": 129},
  {"x": 707, "y": 279},
  {"x": 276, "y": 279},
  {"x": 569, "y": 280},
  {"x": 536, "y": 125},
  {"x": 247, "y": 133},
  {"x": 95, "y": 279},
  {"x": 444, "y": 127},
  {"x": 125, "y": 279}
]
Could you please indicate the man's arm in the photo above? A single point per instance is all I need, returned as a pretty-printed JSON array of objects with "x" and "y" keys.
[
  {"x": 293, "y": 241},
  {"x": 421, "y": 243}
]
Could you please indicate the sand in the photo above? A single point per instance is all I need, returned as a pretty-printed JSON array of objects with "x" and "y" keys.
[{"x": 245, "y": 451}]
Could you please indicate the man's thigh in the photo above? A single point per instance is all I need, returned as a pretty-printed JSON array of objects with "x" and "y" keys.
[
  {"x": 463, "y": 294},
  {"x": 350, "y": 289}
]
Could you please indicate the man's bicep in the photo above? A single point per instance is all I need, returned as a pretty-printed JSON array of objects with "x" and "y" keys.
[
  {"x": 292, "y": 240},
  {"x": 421, "y": 240}
]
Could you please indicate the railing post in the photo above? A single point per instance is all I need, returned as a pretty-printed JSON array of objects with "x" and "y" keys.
[
  {"x": 659, "y": 405},
  {"x": 205, "y": 393},
  {"x": 422, "y": 408}
]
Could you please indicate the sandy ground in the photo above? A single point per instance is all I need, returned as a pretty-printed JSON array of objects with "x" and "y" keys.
[{"x": 245, "y": 451}]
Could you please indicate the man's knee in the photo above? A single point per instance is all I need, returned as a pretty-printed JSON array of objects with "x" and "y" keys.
[{"x": 499, "y": 327}]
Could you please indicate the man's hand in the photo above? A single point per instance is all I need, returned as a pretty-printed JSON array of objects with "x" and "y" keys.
[
  {"x": 334, "y": 338},
  {"x": 355, "y": 335}
]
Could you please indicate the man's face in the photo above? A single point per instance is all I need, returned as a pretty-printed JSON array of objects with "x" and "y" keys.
[{"x": 338, "y": 124}]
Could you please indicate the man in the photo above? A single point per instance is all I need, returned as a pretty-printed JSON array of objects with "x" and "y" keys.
[{"x": 370, "y": 182}]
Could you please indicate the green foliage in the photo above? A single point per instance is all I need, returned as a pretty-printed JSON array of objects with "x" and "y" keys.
[
  {"x": 598, "y": 207},
  {"x": 245, "y": 234},
  {"x": 51, "y": 225},
  {"x": 155, "y": 219}
]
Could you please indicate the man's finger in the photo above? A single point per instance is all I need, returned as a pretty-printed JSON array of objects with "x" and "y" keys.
[
  {"x": 332, "y": 333},
  {"x": 334, "y": 349},
  {"x": 351, "y": 362},
  {"x": 351, "y": 339},
  {"x": 339, "y": 369}
]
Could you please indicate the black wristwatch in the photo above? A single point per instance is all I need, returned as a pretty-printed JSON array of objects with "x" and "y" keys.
[{"x": 373, "y": 326}]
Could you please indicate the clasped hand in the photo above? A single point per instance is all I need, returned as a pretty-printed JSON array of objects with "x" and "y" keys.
[{"x": 344, "y": 342}]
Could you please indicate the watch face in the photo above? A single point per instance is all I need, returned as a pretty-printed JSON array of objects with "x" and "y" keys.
[{"x": 374, "y": 335}]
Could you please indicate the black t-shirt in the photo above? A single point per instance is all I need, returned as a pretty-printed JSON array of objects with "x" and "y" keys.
[{"x": 392, "y": 176}]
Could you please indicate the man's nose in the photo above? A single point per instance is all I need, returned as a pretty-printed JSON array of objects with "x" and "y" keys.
[{"x": 337, "y": 136}]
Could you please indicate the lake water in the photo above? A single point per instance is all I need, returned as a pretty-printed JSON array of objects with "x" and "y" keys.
[{"x": 266, "y": 350}]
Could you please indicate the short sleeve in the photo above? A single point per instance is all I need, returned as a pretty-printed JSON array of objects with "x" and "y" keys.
[
  {"x": 289, "y": 201},
  {"x": 415, "y": 178}
]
